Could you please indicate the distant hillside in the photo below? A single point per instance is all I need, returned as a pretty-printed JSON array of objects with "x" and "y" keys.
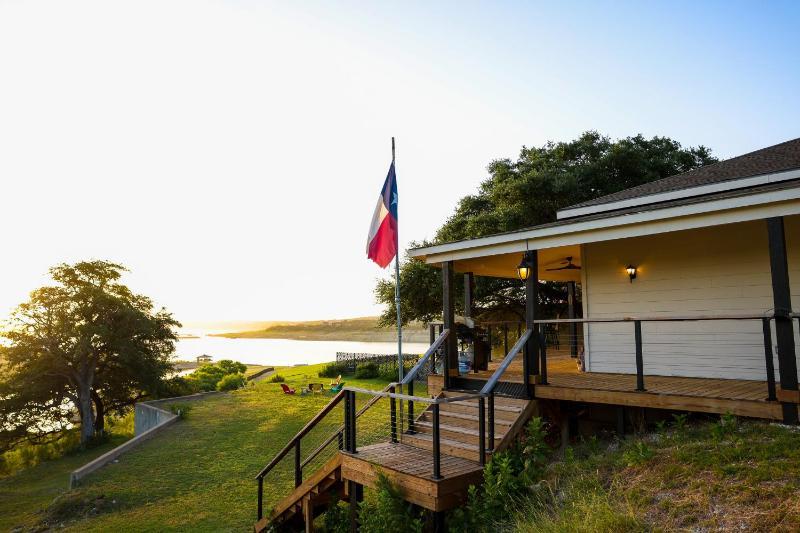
[{"x": 350, "y": 329}]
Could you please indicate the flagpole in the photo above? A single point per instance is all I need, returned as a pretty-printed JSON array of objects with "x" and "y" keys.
[{"x": 397, "y": 290}]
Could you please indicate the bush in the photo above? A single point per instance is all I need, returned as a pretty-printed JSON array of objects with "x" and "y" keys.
[
  {"x": 367, "y": 371},
  {"x": 231, "y": 382},
  {"x": 385, "y": 510},
  {"x": 333, "y": 370},
  {"x": 232, "y": 367},
  {"x": 178, "y": 386},
  {"x": 277, "y": 378},
  {"x": 389, "y": 372},
  {"x": 207, "y": 376}
]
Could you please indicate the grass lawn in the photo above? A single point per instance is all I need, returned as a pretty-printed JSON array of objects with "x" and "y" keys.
[
  {"x": 734, "y": 476},
  {"x": 198, "y": 474}
]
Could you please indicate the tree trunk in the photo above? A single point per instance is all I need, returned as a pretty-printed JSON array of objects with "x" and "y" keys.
[
  {"x": 87, "y": 415},
  {"x": 99, "y": 414}
]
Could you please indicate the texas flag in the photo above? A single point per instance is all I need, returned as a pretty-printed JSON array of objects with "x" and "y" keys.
[{"x": 382, "y": 240}]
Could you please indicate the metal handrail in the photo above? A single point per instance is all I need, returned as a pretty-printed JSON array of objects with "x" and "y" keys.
[
  {"x": 340, "y": 430},
  {"x": 424, "y": 359},
  {"x": 490, "y": 385},
  {"x": 300, "y": 434},
  {"x": 400, "y": 396}
]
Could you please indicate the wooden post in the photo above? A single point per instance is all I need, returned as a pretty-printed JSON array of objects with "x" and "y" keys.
[
  {"x": 637, "y": 331},
  {"x": 573, "y": 327},
  {"x": 489, "y": 340},
  {"x": 448, "y": 319},
  {"x": 531, "y": 350},
  {"x": 482, "y": 430},
  {"x": 393, "y": 414},
  {"x": 781, "y": 296},
  {"x": 260, "y": 498},
  {"x": 298, "y": 470},
  {"x": 469, "y": 284},
  {"x": 768, "y": 359},
  {"x": 437, "y": 472}
]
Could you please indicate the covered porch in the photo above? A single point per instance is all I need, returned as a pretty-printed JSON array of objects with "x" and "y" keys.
[{"x": 691, "y": 316}]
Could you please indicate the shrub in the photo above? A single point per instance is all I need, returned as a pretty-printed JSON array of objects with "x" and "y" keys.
[
  {"x": 337, "y": 518},
  {"x": 232, "y": 367},
  {"x": 231, "y": 382},
  {"x": 385, "y": 511},
  {"x": 277, "y": 378},
  {"x": 207, "y": 376},
  {"x": 333, "y": 370},
  {"x": 389, "y": 372},
  {"x": 178, "y": 386},
  {"x": 367, "y": 371}
]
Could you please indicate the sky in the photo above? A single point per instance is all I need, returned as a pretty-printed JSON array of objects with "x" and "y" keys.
[{"x": 230, "y": 153}]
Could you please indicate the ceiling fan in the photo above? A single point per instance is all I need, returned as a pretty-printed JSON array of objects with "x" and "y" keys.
[{"x": 568, "y": 265}]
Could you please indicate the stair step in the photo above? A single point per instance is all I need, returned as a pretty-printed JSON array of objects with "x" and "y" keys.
[
  {"x": 446, "y": 446},
  {"x": 457, "y": 433},
  {"x": 501, "y": 412},
  {"x": 499, "y": 401},
  {"x": 467, "y": 418}
]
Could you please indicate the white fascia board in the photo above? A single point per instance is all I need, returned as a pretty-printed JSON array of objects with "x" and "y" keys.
[
  {"x": 712, "y": 213},
  {"x": 712, "y": 188}
]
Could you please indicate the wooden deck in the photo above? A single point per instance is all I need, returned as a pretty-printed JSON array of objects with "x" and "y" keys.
[
  {"x": 410, "y": 469},
  {"x": 566, "y": 382}
]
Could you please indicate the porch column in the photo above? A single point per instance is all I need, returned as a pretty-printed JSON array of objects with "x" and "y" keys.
[
  {"x": 573, "y": 327},
  {"x": 531, "y": 351},
  {"x": 469, "y": 283},
  {"x": 449, "y": 322},
  {"x": 784, "y": 333}
]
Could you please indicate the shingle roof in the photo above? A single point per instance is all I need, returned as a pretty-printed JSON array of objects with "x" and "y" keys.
[{"x": 777, "y": 158}]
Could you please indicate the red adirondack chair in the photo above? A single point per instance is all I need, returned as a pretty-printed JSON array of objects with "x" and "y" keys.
[{"x": 286, "y": 389}]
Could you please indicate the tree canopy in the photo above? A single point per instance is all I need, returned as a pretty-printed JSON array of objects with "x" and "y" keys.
[
  {"x": 87, "y": 342},
  {"x": 527, "y": 192}
]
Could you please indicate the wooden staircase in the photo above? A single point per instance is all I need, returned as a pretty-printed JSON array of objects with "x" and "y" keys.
[
  {"x": 458, "y": 429},
  {"x": 458, "y": 426},
  {"x": 309, "y": 499}
]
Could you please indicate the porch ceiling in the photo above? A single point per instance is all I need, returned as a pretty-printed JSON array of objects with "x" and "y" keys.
[{"x": 505, "y": 265}]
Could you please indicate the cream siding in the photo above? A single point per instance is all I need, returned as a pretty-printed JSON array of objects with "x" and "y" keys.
[{"x": 710, "y": 271}]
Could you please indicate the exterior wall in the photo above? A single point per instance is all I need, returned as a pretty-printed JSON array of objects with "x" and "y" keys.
[{"x": 710, "y": 271}]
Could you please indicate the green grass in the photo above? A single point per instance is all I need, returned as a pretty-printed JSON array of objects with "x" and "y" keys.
[
  {"x": 729, "y": 475},
  {"x": 198, "y": 474}
]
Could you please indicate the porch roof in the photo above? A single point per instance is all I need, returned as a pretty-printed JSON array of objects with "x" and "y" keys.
[{"x": 498, "y": 255}]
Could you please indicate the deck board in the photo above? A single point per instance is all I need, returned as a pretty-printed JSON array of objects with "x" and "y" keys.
[
  {"x": 567, "y": 382},
  {"x": 410, "y": 469}
]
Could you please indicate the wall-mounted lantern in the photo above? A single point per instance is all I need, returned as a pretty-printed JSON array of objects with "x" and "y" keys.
[
  {"x": 524, "y": 269},
  {"x": 631, "y": 270}
]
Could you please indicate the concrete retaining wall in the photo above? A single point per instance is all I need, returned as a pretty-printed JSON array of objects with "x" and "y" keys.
[{"x": 149, "y": 420}]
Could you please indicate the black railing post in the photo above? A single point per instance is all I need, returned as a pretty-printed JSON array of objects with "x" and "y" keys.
[
  {"x": 491, "y": 422},
  {"x": 482, "y": 429},
  {"x": 637, "y": 329},
  {"x": 411, "y": 407},
  {"x": 298, "y": 470},
  {"x": 353, "y": 445},
  {"x": 505, "y": 338},
  {"x": 437, "y": 473},
  {"x": 260, "y": 498},
  {"x": 543, "y": 355},
  {"x": 393, "y": 414},
  {"x": 771, "y": 396},
  {"x": 488, "y": 340},
  {"x": 347, "y": 420}
]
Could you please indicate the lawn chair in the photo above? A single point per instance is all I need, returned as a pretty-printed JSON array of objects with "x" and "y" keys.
[
  {"x": 337, "y": 388},
  {"x": 286, "y": 389},
  {"x": 336, "y": 381},
  {"x": 317, "y": 388}
]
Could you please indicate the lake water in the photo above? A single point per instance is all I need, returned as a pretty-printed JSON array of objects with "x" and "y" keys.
[{"x": 283, "y": 352}]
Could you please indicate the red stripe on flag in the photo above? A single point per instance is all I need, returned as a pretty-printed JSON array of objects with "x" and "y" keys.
[{"x": 383, "y": 246}]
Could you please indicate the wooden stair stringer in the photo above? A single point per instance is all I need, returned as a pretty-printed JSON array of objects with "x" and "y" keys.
[{"x": 327, "y": 476}]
